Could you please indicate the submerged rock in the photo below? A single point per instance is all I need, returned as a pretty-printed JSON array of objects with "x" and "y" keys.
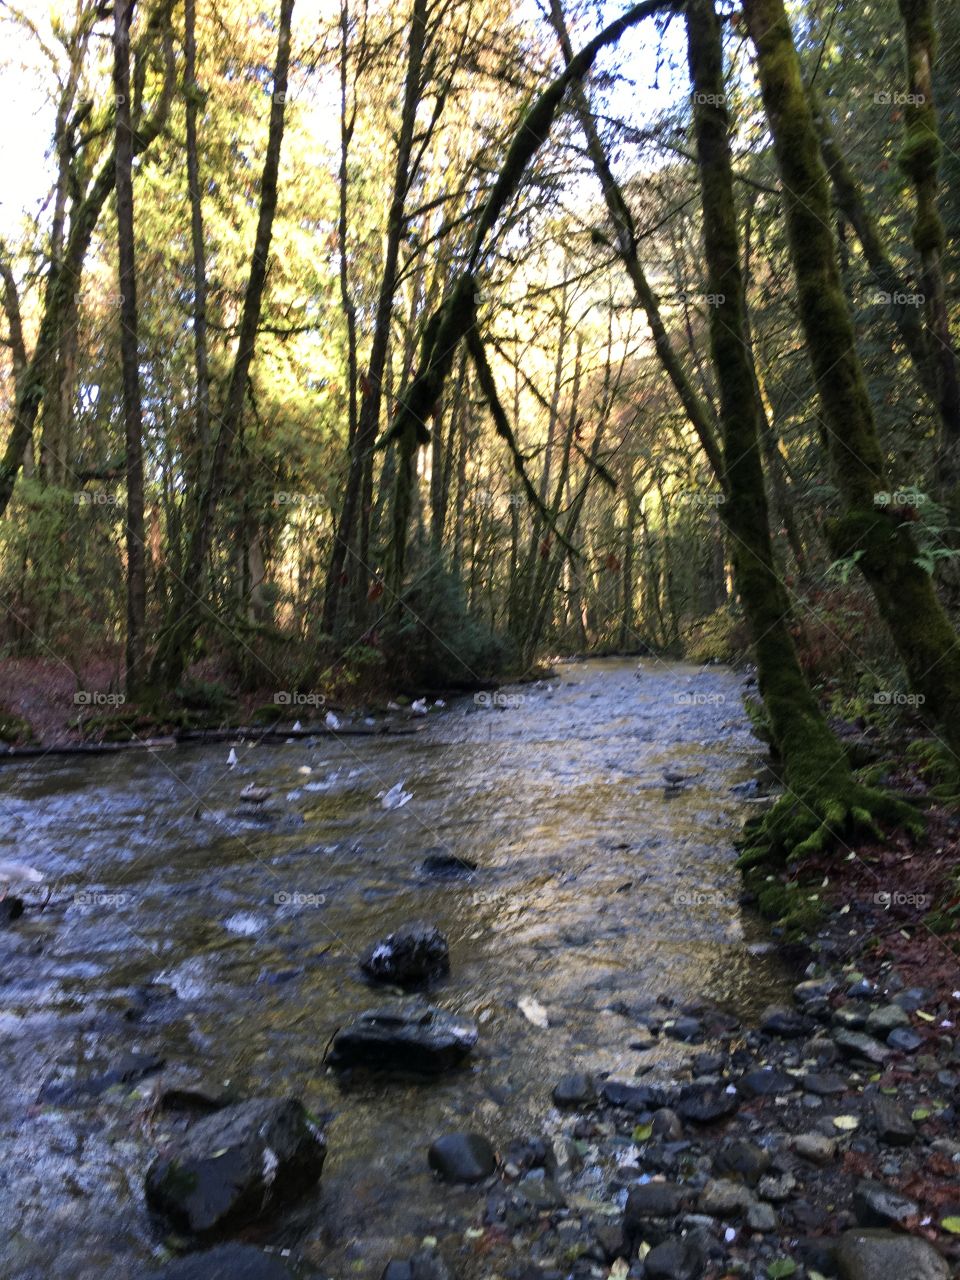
[
  {"x": 675, "y": 1260},
  {"x": 779, "y": 1021},
  {"x": 886, "y": 1255},
  {"x": 447, "y": 864},
  {"x": 894, "y": 1126},
  {"x": 462, "y": 1157},
  {"x": 876, "y": 1205},
  {"x": 651, "y": 1200},
  {"x": 404, "y": 1036},
  {"x": 236, "y": 1165},
  {"x": 130, "y": 1069},
  {"x": 226, "y": 1262},
  {"x": 409, "y": 956}
]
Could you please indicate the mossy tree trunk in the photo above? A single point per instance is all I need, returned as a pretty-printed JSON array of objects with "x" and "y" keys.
[
  {"x": 920, "y": 160},
  {"x": 823, "y": 800},
  {"x": 885, "y": 550}
]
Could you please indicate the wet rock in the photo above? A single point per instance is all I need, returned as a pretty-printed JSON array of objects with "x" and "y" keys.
[
  {"x": 651, "y": 1200},
  {"x": 708, "y": 1064},
  {"x": 424, "y": 1265},
  {"x": 724, "y": 1198},
  {"x": 225, "y": 1262},
  {"x": 704, "y": 1104},
  {"x": 887, "y": 1018},
  {"x": 894, "y": 1126},
  {"x": 821, "y": 1049},
  {"x": 856, "y": 1044},
  {"x": 689, "y": 1030},
  {"x": 765, "y": 1082},
  {"x": 743, "y": 1158},
  {"x": 824, "y": 1083},
  {"x": 11, "y": 908},
  {"x": 875, "y": 1205},
  {"x": 236, "y": 1165},
  {"x": 852, "y": 1016},
  {"x": 576, "y": 1090},
  {"x": 408, "y": 957},
  {"x": 531, "y": 1153},
  {"x": 815, "y": 1147},
  {"x": 777, "y": 1189},
  {"x": 885, "y": 1255},
  {"x": 912, "y": 999},
  {"x": 905, "y": 1039},
  {"x": 776, "y": 1020},
  {"x": 760, "y": 1217},
  {"x": 675, "y": 1260},
  {"x": 447, "y": 864},
  {"x": 632, "y": 1097},
  {"x": 404, "y": 1036},
  {"x": 814, "y": 990},
  {"x": 130, "y": 1069},
  {"x": 462, "y": 1157},
  {"x": 667, "y": 1124}
]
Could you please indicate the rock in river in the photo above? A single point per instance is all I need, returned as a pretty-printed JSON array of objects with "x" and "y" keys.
[
  {"x": 407, "y": 1035},
  {"x": 886, "y": 1255},
  {"x": 675, "y": 1260},
  {"x": 235, "y": 1165},
  {"x": 408, "y": 957},
  {"x": 225, "y": 1262},
  {"x": 876, "y": 1205},
  {"x": 462, "y": 1157}
]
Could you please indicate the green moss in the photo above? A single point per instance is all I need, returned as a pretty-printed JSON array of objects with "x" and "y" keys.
[{"x": 14, "y": 730}]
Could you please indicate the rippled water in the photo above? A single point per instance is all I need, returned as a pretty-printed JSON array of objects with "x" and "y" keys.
[{"x": 595, "y": 888}]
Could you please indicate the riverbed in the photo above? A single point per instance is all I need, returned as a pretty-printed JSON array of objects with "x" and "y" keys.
[{"x": 223, "y": 937}]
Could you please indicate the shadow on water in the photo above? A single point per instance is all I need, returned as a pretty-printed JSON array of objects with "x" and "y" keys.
[{"x": 227, "y": 942}]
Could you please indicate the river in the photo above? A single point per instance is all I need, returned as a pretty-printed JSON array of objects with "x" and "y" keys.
[{"x": 224, "y": 939}]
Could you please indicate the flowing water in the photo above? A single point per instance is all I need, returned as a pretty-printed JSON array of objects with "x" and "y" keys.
[{"x": 597, "y": 891}]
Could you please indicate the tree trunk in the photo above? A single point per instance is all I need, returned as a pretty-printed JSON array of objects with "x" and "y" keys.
[
  {"x": 885, "y": 549},
  {"x": 192, "y": 99},
  {"x": 129, "y": 351},
  {"x": 182, "y": 619},
  {"x": 822, "y": 800}
]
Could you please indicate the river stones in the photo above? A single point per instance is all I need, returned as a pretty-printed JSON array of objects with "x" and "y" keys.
[
  {"x": 410, "y": 956},
  {"x": 886, "y": 1018},
  {"x": 894, "y": 1126},
  {"x": 236, "y": 1165},
  {"x": 675, "y": 1260},
  {"x": 815, "y": 1147},
  {"x": 856, "y": 1044},
  {"x": 765, "y": 1082},
  {"x": 886, "y": 1255},
  {"x": 575, "y": 1090},
  {"x": 875, "y": 1205},
  {"x": 724, "y": 1198},
  {"x": 462, "y": 1157},
  {"x": 776, "y": 1020},
  {"x": 226, "y": 1262},
  {"x": 651, "y": 1200},
  {"x": 743, "y": 1158},
  {"x": 404, "y": 1036},
  {"x": 704, "y": 1104}
]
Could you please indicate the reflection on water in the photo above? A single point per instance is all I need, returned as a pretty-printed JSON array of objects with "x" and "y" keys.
[{"x": 224, "y": 936}]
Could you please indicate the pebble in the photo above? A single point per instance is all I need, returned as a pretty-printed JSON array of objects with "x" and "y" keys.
[{"x": 462, "y": 1157}]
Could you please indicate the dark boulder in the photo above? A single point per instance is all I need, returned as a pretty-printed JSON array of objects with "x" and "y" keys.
[
  {"x": 462, "y": 1157},
  {"x": 236, "y": 1165},
  {"x": 408, "y": 957},
  {"x": 404, "y": 1036}
]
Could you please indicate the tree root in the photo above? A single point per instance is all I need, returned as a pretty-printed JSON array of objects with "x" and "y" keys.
[{"x": 840, "y": 810}]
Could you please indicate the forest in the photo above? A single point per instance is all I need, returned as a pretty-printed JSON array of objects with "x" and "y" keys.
[{"x": 373, "y": 366}]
